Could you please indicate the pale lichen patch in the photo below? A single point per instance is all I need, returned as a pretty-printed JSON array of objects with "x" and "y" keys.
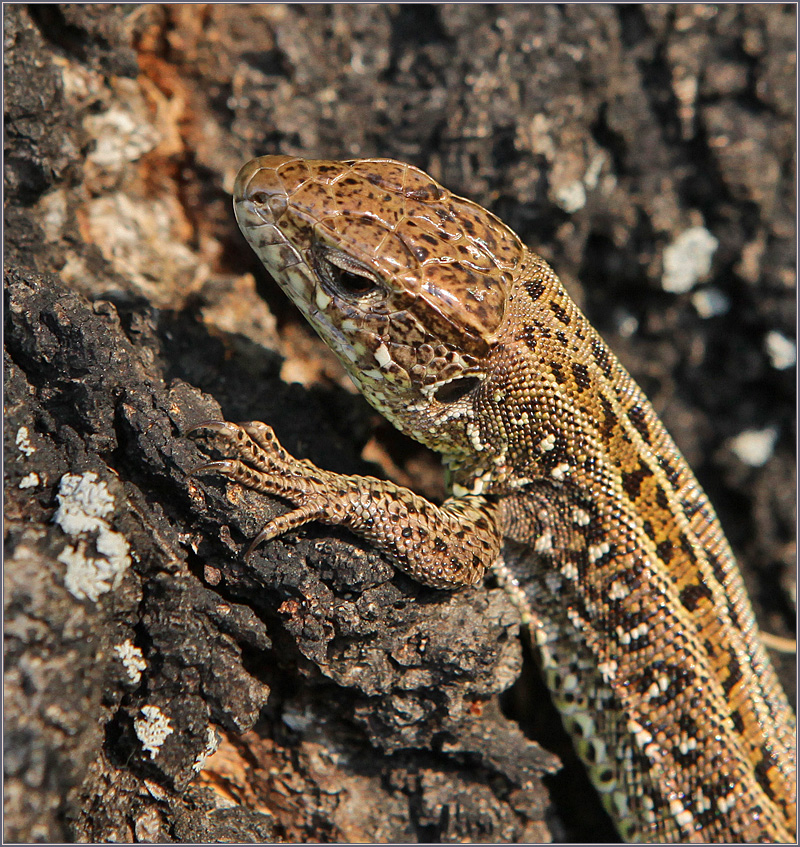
[
  {"x": 152, "y": 729},
  {"x": 30, "y": 480},
  {"x": 754, "y": 447},
  {"x": 212, "y": 745},
  {"x": 688, "y": 259},
  {"x": 83, "y": 503},
  {"x": 23, "y": 441},
  {"x": 132, "y": 659},
  {"x": 781, "y": 350}
]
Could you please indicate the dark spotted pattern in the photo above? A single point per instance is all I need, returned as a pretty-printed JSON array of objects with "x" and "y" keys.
[
  {"x": 638, "y": 417},
  {"x": 640, "y": 618},
  {"x": 693, "y": 593},
  {"x": 632, "y": 481},
  {"x": 560, "y": 313},
  {"x": 581, "y": 375},
  {"x": 602, "y": 356}
]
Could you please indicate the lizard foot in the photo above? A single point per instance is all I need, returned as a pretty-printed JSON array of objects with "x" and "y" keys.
[{"x": 258, "y": 461}]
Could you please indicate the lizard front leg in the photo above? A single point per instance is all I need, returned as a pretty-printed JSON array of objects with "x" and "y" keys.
[{"x": 443, "y": 546}]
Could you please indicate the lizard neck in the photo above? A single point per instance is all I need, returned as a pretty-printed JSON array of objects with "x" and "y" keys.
[{"x": 517, "y": 429}]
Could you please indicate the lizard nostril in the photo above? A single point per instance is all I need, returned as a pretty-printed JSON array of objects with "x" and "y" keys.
[{"x": 274, "y": 201}]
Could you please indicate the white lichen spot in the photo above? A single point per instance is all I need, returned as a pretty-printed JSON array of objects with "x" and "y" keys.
[
  {"x": 30, "y": 480},
  {"x": 592, "y": 174},
  {"x": 688, "y": 259},
  {"x": 571, "y": 197},
  {"x": 560, "y": 471},
  {"x": 710, "y": 303},
  {"x": 626, "y": 322},
  {"x": 24, "y": 441},
  {"x": 782, "y": 351},
  {"x": 212, "y": 745},
  {"x": 382, "y": 356},
  {"x": 152, "y": 729},
  {"x": 139, "y": 238},
  {"x": 754, "y": 447},
  {"x": 120, "y": 134},
  {"x": 83, "y": 503},
  {"x": 132, "y": 659},
  {"x": 87, "y": 577}
]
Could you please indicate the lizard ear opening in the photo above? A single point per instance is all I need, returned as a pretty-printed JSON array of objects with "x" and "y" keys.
[{"x": 456, "y": 389}]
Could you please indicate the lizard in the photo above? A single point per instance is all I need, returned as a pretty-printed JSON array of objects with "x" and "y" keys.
[{"x": 562, "y": 481}]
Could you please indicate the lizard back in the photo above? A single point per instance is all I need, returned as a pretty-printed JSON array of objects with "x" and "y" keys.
[{"x": 631, "y": 588}]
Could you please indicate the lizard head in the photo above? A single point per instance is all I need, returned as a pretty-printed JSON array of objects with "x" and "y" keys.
[{"x": 406, "y": 282}]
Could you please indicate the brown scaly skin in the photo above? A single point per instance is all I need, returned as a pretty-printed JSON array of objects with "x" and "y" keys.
[{"x": 563, "y": 480}]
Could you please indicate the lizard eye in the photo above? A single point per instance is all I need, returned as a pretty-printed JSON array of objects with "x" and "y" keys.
[{"x": 344, "y": 275}]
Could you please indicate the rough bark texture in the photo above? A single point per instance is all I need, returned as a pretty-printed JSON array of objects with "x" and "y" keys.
[{"x": 346, "y": 702}]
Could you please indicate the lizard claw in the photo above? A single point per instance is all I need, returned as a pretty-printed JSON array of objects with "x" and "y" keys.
[
  {"x": 226, "y": 467},
  {"x": 257, "y": 460},
  {"x": 283, "y": 523},
  {"x": 221, "y": 427}
]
